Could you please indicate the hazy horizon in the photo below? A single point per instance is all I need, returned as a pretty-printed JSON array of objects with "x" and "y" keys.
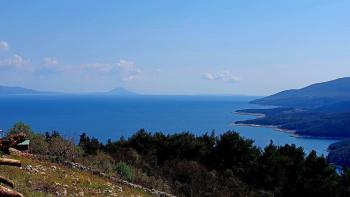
[{"x": 173, "y": 47}]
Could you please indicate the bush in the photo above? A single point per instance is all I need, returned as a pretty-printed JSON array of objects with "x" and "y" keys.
[
  {"x": 124, "y": 170},
  {"x": 62, "y": 149},
  {"x": 128, "y": 155},
  {"x": 157, "y": 182},
  {"x": 21, "y": 127},
  {"x": 39, "y": 144},
  {"x": 101, "y": 162}
]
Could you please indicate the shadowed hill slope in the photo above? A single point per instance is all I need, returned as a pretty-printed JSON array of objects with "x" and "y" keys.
[{"x": 316, "y": 95}]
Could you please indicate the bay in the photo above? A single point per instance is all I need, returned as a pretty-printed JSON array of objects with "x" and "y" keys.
[{"x": 110, "y": 117}]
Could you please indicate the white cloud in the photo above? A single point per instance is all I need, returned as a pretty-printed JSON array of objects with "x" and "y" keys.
[
  {"x": 4, "y": 45},
  {"x": 16, "y": 61},
  {"x": 226, "y": 76},
  {"x": 126, "y": 70},
  {"x": 50, "y": 61},
  {"x": 208, "y": 76},
  {"x": 99, "y": 67}
]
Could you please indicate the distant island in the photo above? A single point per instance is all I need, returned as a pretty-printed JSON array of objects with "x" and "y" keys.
[
  {"x": 8, "y": 90},
  {"x": 121, "y": 92},
  {"x": 15, "y": 90},
  {"x": 318, "y": 110}
]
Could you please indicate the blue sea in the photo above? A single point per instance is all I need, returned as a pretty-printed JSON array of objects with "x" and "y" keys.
[{"x": 111, "y": 117}]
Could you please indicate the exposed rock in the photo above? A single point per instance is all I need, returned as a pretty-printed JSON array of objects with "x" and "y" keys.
[
  {"x": 4, "y": 191},
  {"x": 118, "y": 180}
]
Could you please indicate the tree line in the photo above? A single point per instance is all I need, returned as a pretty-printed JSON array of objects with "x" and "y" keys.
[{"x": 205, "y": 165}]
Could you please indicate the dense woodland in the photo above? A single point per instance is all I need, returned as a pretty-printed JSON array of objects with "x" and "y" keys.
[
  {"x": 339, "y": 153},
  {"x": 319, "y": 110},
  {"x": 304, "y": 122},
  {"x": 206, "y": 165}
]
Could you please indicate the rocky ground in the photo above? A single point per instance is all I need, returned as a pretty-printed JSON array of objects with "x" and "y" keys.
[{"x": 44, "y": 178}]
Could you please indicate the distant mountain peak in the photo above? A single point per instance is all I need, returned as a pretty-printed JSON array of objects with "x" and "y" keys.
[{"x": 121, "y": 91}]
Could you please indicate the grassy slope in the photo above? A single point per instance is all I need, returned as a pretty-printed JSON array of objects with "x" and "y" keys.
[{"x": 44, "y": 178}]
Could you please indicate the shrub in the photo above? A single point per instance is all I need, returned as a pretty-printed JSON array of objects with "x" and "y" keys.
[
  {"x": 62, "y": 149},
  {"x": 128, "y": 155},
  {"x": 39, "y": 144},
  {"x": 157, "y": 182},
  {"x": 124, "y": 170},
  {"x": 21, "y": 127},
  {"x": 101, "y": 162}
]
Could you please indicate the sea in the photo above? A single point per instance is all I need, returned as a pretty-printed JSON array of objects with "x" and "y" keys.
[{"x": 111, "y": 117}]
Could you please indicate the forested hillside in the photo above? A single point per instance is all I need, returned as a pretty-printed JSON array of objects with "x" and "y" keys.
[
  {"x": 339, "y": 153},
  {"x": 303, "y": 122},
  {"x": 318, "y": 110},
  {"x": 313, "y": 96}
]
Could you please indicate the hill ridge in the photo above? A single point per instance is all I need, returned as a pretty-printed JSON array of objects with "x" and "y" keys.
[{"x": 312, "y": 96}]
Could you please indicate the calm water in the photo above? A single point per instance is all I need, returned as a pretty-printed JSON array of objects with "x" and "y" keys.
[{"x": 112, "y": 117}]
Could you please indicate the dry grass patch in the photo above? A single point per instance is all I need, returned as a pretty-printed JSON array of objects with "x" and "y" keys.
[{"x": 39, "y": 178}]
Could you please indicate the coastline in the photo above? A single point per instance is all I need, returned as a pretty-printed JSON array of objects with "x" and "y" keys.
[
  {"x": 291, "y": 133},
  {"x": 258, "y": 115}
]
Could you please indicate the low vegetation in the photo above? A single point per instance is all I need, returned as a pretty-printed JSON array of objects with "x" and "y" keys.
[{"x": 39, "y": 178}]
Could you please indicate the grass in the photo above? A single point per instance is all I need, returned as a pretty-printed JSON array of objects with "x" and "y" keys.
[{"x": 39, "y": 178}]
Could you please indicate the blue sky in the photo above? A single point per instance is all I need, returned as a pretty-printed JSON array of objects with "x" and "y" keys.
[{"x": 173, "y": 47}]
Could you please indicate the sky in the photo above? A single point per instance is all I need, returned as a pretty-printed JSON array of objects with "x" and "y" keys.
[{"x": 238, "y": 47}]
